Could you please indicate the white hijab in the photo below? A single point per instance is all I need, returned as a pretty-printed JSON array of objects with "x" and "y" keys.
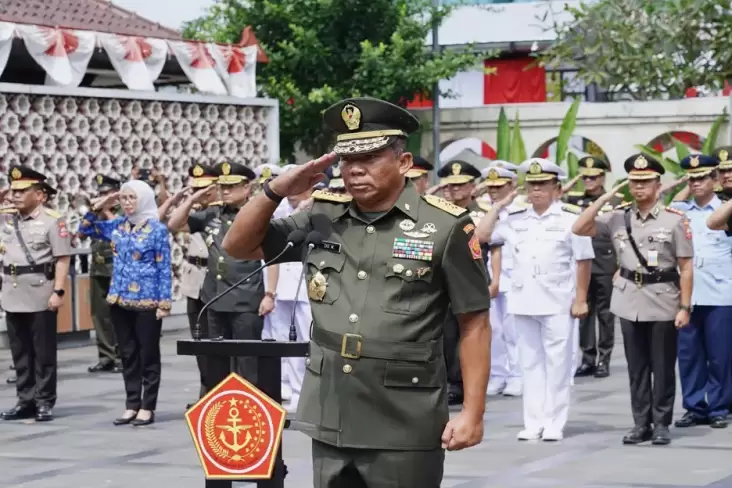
[{"x": 147, "y": 208}]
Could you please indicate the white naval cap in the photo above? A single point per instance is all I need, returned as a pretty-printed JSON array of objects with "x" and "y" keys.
[
  {"x": 540, "y": 169},
  {"x": 264, "y": 171},
  {"x": 497, "y": 176},
  {"x": 499, "y": 163}
]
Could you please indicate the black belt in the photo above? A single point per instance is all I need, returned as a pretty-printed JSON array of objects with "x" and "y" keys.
[
  {"x": 202, "y": 262},
  {"x": 667, "y": 276},
  {"x": 354, "y": 346},
  {"x": 13, "y": 270}
]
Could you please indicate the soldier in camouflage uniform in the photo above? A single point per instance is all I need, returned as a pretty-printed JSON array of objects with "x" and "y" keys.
[{"x": 390, "y": 264}]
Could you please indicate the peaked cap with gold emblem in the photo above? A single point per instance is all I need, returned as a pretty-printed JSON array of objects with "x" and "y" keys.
[
  {"x": 420, "y": 166},
  {"x": 202, "y": 175},
  {"x": 699, "y": 165},
  {"x": 499, "y": 163},
  {"x": 22, "y": 177},
  {"x": 642, "y": 167},
  {"x": 540, "y": 169},
  {"x": 724, "y": 155},
  {"x": 366, "y": 125},
  {"x": 107, "y": 183},
  {"x": 462, "y": 168},
  {"x": 233, "y": 173},
  {"x": 146, "y": 175},
  {"x": 263, "y": 172},
  {"x": 497, "y": 176},
  {"x": 592, "y": 166}
]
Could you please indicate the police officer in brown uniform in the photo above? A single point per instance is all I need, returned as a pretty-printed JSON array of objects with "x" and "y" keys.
[
  {"x": 380, "y": 283},
  {"x": 100, "y": 274},
  {"x": 597, "y": 342},
  {"x": 651, "y": 298},
  {"x": 36, "y": 253}
]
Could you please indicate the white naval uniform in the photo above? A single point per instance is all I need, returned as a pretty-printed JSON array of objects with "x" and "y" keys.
[
  {"x": 192, "y": 276},
  {"x": 293, "y": 369},
  {"x": 543, "y": 283}
]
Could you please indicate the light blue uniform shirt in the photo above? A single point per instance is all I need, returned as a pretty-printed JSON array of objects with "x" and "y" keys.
[{"x": 712, "y": 255}]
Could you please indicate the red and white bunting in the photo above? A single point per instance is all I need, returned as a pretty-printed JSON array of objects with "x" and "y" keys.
[
  {"x": 237, "y": 66},
  {"x": 7, "y": 31},
  {"x": 63, "y": 53},
  {"x": 137, "y": 60},
  {"x": 199, "y": 65}
]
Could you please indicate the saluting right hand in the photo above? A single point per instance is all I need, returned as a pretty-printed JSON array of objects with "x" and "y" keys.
[
  {"x": 106, "y": 201},
  {"x": 201, "y": 195},
  {"x": 300, "y": 179},
  {"x": 507, "y": 200}
]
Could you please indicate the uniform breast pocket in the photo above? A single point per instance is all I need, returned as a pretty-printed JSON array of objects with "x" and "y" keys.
[
  {"x": 324, "y": 276},
  {"x": 37, "y": 241},
  {"x": 407, "y": 286}
]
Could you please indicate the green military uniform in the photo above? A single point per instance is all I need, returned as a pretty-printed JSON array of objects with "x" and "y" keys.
[
  {"x": 725, "y": 166},
  {"x": 236, "y": 314},
  {"x": 379, "y": 286},
  {"x": 100, "y": 274},
  {"x": 459, "y": 171},
  {"x": 597, "y": 346}
]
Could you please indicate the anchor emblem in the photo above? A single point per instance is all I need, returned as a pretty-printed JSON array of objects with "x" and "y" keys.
[{"x": 235, "y": 429}]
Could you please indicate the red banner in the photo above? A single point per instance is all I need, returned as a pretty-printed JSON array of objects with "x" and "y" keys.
[{"x": 513, "y": 81}]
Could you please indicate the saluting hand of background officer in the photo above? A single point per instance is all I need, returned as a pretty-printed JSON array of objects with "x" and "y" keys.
[
  {"x": 105, "y": 202},
  {"x": 302, "y": 178}
]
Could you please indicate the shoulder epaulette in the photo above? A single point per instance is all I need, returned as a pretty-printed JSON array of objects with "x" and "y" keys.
[
  {"x": 620, "y": 196},
  {"x": 326, "y": 196},
  {"x": 52, "y": 213},
  {"x": 574, "y": 209},
  {"x": 576, "y": 193},
  {"x": 517, "y": 211},
  {"x": 216, "y": 204},
  {"x": 486, "y": 207},
  {"x": 623, "y": 205},
  {"x": 8, "y": 210},
  {"x": 674, "y": 211},
  {"x": 444, "y": 205}
]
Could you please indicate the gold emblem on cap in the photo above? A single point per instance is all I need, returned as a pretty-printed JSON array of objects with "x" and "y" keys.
[
  {"x": 723, "y": 155},
  {"x": 493, "y": 174},
  {"x": 267, "y": 173},
  {"x": 226, "y": 168},
  {"x": 535, "y": 168},
  {"x": 590, "y": 162},
  {"x": 456, "y": 167},
  {"x": 351, "y": 116},
  {"x": 197, "y": 171},
  {"x": 640, "y": 162},
  {"x": 336, "y": 172},
  {"x": 16, "y": 174},
  {"x": 100, "y": 179},
  {"x": 694, "y": 161}
]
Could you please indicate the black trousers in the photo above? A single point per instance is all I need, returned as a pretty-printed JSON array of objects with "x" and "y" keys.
[
  {"x": 233, "y": 325},
  {"x": 33, "y": 341},
  {"x": 650, "y": 349},
  {"x": 193, "y": 308},
  {"x": 598, "y": 346},
  {"x": 138, "y": 338},
  {"x": 451, "y": 348}
]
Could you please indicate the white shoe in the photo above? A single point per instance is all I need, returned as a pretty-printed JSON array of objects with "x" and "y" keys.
[
  {"x": 529, "y": 435},
  {"x": 514, "y": 388},
  {"x": 552, "y": 435},
  {"x": 496, "y": 386}
]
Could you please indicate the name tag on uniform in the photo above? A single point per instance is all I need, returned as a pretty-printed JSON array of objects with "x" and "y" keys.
[
  {"x": 331, "y": 246},
  {"x": 652, "y": 258}
]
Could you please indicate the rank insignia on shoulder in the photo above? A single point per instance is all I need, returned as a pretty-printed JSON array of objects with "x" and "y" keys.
[
  {"x": 623, "y": 205},
  {"x": 52, "y": 213},
  {"x": 620, "y": 196},
  {"x": 674, "y": 211},
  {"x": 574, "y": 209},
  {"x": 326, "y": 196},
  {"x": 576, "y": 193},
  {"x": 444, "y": 205},
  {"x": 216, "y": 204}
]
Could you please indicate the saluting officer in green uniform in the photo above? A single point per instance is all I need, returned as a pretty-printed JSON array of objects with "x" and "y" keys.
[
  {"x": 597, "y": 347},
  {"x": 390, "y": 264},
  {"x": 724, "y": 155},
  {"x": 100, "y": 274},
  {"x": 236, "y": 314}
]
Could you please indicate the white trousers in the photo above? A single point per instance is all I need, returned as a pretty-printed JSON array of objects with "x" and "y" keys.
[
  {"x": 293, "y": 369},
  {"x": 504, "y": 350},
  {"x": 546, "y": 347}
]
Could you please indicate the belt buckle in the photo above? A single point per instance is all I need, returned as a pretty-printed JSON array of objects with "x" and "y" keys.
[
  {"x": 349, "y": 339},
  {"x": 638, "y": 278}
]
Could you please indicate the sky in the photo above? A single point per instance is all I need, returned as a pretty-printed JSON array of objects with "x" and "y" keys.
[{"x": 170, "y": 13}]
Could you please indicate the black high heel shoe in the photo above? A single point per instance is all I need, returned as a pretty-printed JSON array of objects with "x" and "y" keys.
[
  {"x": 140, "y": 422},
  {"x": 124, "y": 420}
]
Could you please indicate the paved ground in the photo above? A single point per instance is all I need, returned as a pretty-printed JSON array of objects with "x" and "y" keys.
[{"x": 82, "y": 449}]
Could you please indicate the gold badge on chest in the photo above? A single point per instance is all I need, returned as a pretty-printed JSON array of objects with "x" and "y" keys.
[{"x": 317, "y": 287}]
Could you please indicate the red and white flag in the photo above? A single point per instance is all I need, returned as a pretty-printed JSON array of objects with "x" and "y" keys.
[
  {"x": 63, "y": 53},
  {"x": 237, "y": 66},
  {"x": 7, "y": 30},
  {"x": 199, "y": 65},
  {"x": 137, "y": 60}
]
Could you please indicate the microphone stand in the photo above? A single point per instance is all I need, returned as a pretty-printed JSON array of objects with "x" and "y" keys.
[
  {"x": 197, "y": 330},
  {"x": 293, "y": 329}
]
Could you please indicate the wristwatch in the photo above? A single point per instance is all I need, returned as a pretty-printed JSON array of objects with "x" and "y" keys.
[
  {"x": 270, "y": 193},
  {"x": 685, "y": 308},
  {"x": 270, "y": 294},
  {"x": 60, "y": 292}
]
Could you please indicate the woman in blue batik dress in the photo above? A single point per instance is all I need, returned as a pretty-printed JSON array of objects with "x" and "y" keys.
[{"x": 140, "y": 292}]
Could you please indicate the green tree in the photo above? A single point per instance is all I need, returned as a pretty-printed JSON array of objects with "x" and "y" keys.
[
  {"x": 321, "y": 51},
  {"x": 646, "y": 49}
]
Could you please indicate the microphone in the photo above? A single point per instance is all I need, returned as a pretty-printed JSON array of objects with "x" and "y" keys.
[
  {"x": 295, "y": 238},
  {"x": 312, "y": 240}
]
